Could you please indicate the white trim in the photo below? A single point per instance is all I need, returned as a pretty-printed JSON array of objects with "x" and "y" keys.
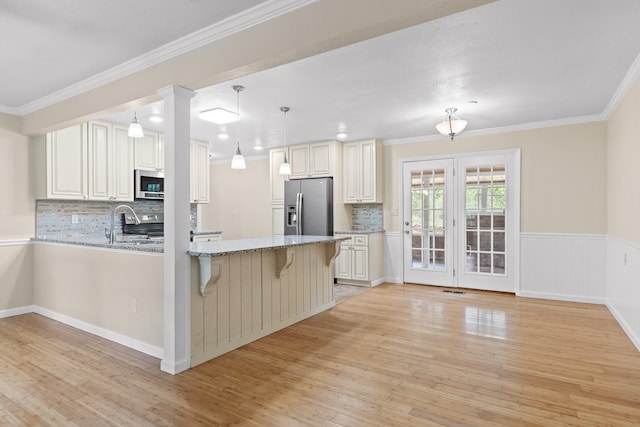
[
  {"x": 624, "y": 87},
  {"x": 231, "y": 25},
  {"x": 564, "y": 236},
  {"x": 562, "y": 297},
  {"x": 633, "y": 336},
  {"x": 175, "y": 368},
  {"x": 10, "y": 312},
  {"x": 101, "y": 332},
  {"x": 16, "y": 242}
]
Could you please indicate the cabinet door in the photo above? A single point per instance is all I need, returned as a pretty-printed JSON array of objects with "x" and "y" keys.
[
  {"x": 320, "y": 160},
  {"x": 100, "y": 161},
  {"x": 299, "y": 159},
  {"x": 148, "y": 155},
  {"x": 277, "y": 220},
  {"x": 343, "y": 263},
  {"x": 360, "y": 263},
  {"x": 199, "y": 190},
  {"x": 351, "y": 172},
  {"x": 122, "y": 170},
  {"x": 66, "y": 156},
  {"x": 367, "y": 171},
  {"x": 276, "y": 157}
]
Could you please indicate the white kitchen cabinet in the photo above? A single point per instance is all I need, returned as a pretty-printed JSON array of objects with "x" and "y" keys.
[
  {"x": 360, "y": 260},
  {"x": 61, "y": 164},
  {"x": 199, "y": 190},
  {"x": 276, "y": 158},
  {"x": 110, "y": 162},
  {"x": 149, "y": 152},
  {"x": 363, "y": 172},
  {"x": 315, "y": 160}
]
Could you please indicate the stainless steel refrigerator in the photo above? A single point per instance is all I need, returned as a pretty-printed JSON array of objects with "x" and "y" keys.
[{"x": 308, "y": 207}]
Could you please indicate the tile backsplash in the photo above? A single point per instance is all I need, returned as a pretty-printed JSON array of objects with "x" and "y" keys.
[
  {"x": 54, "y": 217},
  {"x": 367, "y": 217}
]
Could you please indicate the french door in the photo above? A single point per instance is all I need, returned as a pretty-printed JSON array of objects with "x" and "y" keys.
[{"x": 461, "y": 221}]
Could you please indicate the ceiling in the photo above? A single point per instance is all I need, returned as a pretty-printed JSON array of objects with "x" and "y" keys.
[{"x": 523, "y": 61}]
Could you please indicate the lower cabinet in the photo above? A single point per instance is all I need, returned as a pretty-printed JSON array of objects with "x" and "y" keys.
[{"x": 360, "y": 261}]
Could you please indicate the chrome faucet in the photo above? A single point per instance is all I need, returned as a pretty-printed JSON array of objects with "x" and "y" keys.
[{"x": 111, "y": 232}]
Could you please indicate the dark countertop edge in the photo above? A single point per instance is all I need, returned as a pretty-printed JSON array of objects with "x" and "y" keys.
[
  {"x": 117, "y": 246},
  {"x": 199, "y": 233},
  {"x": 258, "y": 249},
  {"x": 358, "y": 231}
]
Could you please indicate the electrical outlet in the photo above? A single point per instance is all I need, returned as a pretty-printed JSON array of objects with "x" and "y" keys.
[{"x": 74, "y": 219}]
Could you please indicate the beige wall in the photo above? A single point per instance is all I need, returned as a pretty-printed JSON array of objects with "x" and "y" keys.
[
  {"x": 16, "y": 276},
  {"x": 563, "y": 175},
  {"x": 623, "y": 168},
  {"x": 17, "y": 205},
  {"x": 240, "y": 201}
]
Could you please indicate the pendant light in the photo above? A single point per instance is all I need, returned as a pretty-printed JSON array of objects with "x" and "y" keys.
[
  {"x": 285, "y": 167},
  {"x": 452, "y": 125},
  {"x": 135, "y": 130},
  {"x": 237, "y": 162}
]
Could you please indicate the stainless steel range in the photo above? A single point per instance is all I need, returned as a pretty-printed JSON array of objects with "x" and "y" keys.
[{"x": 151, "y": 225}]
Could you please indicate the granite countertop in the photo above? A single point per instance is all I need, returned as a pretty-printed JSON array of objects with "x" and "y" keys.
[
  {"x": 231, "y": 247},
  {"x": 338, "y": 232},
  {"x": 129, "y": 244}
]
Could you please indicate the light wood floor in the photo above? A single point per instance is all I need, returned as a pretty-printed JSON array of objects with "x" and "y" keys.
[{"x": 391, "y": 355}]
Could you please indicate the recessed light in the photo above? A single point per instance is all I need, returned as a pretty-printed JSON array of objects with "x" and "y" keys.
[
  {"x": 258, "y": 147},
  {"x": 156, "y": 119},
  {"x": 341, "y": 135},
  {"x": 219, "y": 116},
  {"x": 223, "y": 135}
]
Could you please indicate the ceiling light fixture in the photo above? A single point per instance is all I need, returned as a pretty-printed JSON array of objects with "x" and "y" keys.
[
  {"x": 341, "y": 136},
  {"x": 135, "y": 130},
  {"x": 219, "y": 116},
  {"x": 285, "y": 167},
  {"x": 156, "y": 119},
  {"x": 452, "y": 125},
  {"x": 237, "y": 162}
]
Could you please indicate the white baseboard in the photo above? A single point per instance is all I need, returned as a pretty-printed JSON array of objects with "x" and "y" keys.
[
  {"x": 562, "y": 297},
  {"x": 377, "y": 282},
  {"x": 16, "y": 311},
  {"x": 101, "y": 332},
  {"x": 175, "y": 368},
  {"x": 633, "y": 336},
  {"x": 395, "y": 280}
]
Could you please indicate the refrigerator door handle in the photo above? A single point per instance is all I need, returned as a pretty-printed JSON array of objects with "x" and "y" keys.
[
  {"x": 300, "y": 214},
  {"x": 297, "y": 213}
]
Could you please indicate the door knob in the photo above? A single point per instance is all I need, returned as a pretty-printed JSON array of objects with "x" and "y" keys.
[
  {"x": 406, "y": 231},
  {"x": 406, "y": 223}
]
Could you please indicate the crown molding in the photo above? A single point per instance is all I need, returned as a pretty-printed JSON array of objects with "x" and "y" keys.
[
  {"x": 504, "y": 129},
  {"x": 624, "y": 87},
  {"x": 9, "y": 110},
  {"x": 246, "y": 19}
]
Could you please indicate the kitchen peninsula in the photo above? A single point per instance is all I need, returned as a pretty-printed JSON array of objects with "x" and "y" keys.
[{"x": 243, "y": 290}]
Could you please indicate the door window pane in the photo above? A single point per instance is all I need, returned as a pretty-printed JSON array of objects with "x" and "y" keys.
[
  {"x": 428, "y": 219},
  {"x": 486, "y": 207}
]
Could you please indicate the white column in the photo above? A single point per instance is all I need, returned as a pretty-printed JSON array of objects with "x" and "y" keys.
[{"x": 177, "y": 298}]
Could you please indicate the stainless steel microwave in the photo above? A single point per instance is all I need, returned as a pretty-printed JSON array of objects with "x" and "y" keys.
[{"x": 149, "y": 184}]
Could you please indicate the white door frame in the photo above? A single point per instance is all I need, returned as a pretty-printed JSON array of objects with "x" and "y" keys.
[{"x": 513, "y": 197}]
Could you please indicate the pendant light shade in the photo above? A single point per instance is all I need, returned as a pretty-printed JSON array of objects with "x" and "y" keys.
[
  {"x": 452, "y": 125},
  {"x": 285, "y": 167},
  {"x": 135, "y": 130},
  {"x": 237, "y": 162}
]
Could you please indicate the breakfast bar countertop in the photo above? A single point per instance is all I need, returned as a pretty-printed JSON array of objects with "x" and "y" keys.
[{"x": 230, "y": 247}]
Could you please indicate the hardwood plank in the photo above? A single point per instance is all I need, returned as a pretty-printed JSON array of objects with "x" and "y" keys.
[{"x": 394, "y": 355}]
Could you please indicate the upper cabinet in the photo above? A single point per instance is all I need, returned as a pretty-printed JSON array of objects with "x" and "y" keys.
[
  {"x": 110, "y": 156},
  {"x": 89, "y": 161},
  {"x": 314, "y": 160},
  {"x": 199, "y": 172},
  {"x": 149, "y": 152},
  {"x": 363, "y": 163},
  {"x": 61, "y": 158},
  {"x": 276, "y": 158},
  {"x": 96, "y": 161}
]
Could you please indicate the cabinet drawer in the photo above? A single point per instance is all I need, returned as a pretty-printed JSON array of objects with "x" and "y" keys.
[
  {"x": 360, "y": 240},
  {"x": 346, "y": 242}
]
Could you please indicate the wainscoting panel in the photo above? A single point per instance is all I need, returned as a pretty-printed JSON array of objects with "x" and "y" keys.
[
  {"x": 393, "y": 257},
  {"x": 623, "y": 286},
  {"x": 563, "y": 267}
]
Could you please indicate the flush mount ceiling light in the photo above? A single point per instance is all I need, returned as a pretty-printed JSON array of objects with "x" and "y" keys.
[
  {"x": 285, "y": 167},
  {"x": 237, "y": 162},
  {"x": 135, "y": 130},
  {"x": 341, "y": 136},
  {"x": 219, "y": 116},
  {"x": 452, "y": 125}
]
